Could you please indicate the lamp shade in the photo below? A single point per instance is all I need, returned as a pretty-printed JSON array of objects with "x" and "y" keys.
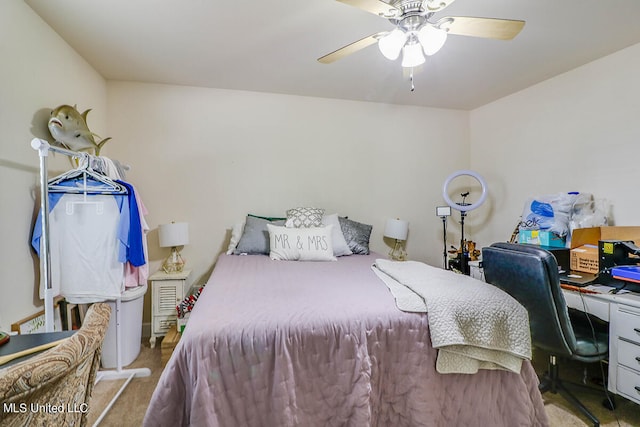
[
  {"x": 391, "y": 44},
  {"x": 412, "y": 55},
  {"x": 396, "y": 229},
  {"x": 432, "y": 39},
  {"x": 174, "y": 234}
]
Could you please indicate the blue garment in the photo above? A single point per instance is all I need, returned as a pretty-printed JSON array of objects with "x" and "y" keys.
[
  {"x": 135, "y": 248},
  {"x": 54, "y": 198}
]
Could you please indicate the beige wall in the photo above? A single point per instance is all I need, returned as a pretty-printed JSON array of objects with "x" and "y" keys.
[
  {"x": 39, "y": 70},
  {"x": 209, "y": 157},
  {"x": 576, "y": 132}
]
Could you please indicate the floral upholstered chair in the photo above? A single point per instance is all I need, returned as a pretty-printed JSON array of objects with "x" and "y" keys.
[{"x": 53, "y": 388}]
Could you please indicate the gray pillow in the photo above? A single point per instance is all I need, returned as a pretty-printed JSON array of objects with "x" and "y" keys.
[
  {"x": 255, "y": 237},
  {"x": 356, "y": 234}
]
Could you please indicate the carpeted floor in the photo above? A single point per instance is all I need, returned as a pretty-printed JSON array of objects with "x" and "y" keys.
[
  {"x": 130, "y": 407},
  {"x": 561, "y": 413}
]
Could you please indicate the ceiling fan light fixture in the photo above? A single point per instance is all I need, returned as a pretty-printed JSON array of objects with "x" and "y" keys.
[
  {"x": 412, "y": 55},
  {"x": 432, "y": 39},
  {"x": 391, "y": 44}
]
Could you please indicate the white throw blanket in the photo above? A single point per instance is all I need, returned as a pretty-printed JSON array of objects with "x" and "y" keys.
[{"x": 473, "y": 324}]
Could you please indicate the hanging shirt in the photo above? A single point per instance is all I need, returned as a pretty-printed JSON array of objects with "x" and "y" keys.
[
  {"x": 54, "y": 198},
  {"x": 135, "y": 249},
  {"x": 138, "y": 276},
  {"x": 85, "y": 237}
]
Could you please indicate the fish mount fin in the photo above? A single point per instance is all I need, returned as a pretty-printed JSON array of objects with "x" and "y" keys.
[
  {"x": 83, "y": 115},
  {"x": 100, "y": 144}
]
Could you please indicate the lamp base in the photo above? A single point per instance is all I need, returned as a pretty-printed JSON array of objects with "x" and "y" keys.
[
  {"x": 398, "y": 253},
  {"x": 174, "y": 263}
]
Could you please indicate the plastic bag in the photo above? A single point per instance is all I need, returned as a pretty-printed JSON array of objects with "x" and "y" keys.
[
  {"x": 551, "y": 213},
  {"x": 588, "y": 212},
  {"x": 562, "y": 213}
]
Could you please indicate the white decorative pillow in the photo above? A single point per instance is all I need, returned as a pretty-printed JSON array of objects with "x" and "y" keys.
[
  {"x": 340, "y": 246},
  {"x": 304, "y": 217},
  {"x": 300, "y": 244},
  {"x": 236, "y": 233}
]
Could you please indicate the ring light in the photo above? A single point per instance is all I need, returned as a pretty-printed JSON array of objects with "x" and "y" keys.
[{"x": 464, "y": 208}]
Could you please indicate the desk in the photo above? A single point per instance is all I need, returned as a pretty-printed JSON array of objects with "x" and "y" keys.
[
  {"x": 622, "y": 311},
  {"x": 22, "y": 342}
]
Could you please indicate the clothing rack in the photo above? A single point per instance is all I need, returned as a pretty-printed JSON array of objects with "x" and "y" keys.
[{"x": 43, "y": 148}]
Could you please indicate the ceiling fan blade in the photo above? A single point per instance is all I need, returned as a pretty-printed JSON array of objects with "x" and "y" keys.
[
  {"x": 491, "y": 28},
  {"x": 351, "y": 48},
  {"x": 377, "y": 7},
  {"x": 436, "y": 5}
]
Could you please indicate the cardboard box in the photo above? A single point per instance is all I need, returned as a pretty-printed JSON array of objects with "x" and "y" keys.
[
  {"x": 592, "y": 235},
  {"x": 584, "y": 245},
  {"x": 168, "y": 344},
  {"x": 584, "y": 258},
  {"x": 541, "y": 237}
]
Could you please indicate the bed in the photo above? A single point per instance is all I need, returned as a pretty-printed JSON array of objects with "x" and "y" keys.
[{"x": 281, "y": 343}]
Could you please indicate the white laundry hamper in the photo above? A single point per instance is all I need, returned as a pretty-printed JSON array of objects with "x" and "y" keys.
[{"x": 131, "y": 306}]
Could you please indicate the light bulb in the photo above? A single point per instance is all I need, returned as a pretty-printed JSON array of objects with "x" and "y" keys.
[
  {"x": 432, "y": 39},
  {"x": 391, "y": 44},
  {"x": 412, "y": 55}
]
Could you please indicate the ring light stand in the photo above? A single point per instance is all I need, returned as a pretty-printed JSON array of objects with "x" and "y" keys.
[
  {"x": 443, "y": 212},
  {"x": 464, "y": 208}
]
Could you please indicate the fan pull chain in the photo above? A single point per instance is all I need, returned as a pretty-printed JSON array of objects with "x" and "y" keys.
[{"x": 411, "y": 79}]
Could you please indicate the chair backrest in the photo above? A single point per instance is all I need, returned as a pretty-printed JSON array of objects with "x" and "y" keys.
[
  {"x": 530, "y": 275},
  {"x": 59, "y": 378}
]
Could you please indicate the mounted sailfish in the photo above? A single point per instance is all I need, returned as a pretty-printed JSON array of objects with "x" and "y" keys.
[{"x": 69, "y": 128}]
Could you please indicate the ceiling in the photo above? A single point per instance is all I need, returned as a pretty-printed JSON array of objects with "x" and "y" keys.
[{"x": 272, "y": 46}]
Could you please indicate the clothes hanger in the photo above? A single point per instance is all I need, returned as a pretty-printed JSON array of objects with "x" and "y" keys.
[
  {"x": 82, "y": 172},
  {"x": 82, "y": 159}
]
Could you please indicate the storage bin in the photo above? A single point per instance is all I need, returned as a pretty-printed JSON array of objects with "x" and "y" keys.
[{"x": 131, "y": 305}]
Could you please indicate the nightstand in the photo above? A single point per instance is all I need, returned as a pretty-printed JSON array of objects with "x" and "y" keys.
[{"x": 167, "y": 290}]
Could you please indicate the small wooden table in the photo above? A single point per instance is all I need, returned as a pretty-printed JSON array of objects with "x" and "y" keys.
[{"x": 168, "y": 344}]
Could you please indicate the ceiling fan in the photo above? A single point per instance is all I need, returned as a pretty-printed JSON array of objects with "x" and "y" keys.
[{"x": 417, "y": 31}]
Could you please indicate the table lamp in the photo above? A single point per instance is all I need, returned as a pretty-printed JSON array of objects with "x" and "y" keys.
[
  {"x": 397, "y": 229},
  {"x": 171, "y": 236}
]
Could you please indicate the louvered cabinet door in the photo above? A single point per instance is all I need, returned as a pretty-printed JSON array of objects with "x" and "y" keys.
[{"x": 167, "y": 290}]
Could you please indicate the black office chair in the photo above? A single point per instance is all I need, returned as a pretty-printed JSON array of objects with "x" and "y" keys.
[{"x": 530, "y": 275}]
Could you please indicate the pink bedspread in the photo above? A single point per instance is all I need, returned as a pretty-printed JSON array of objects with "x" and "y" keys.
[{"x": 284, "y": 343}]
